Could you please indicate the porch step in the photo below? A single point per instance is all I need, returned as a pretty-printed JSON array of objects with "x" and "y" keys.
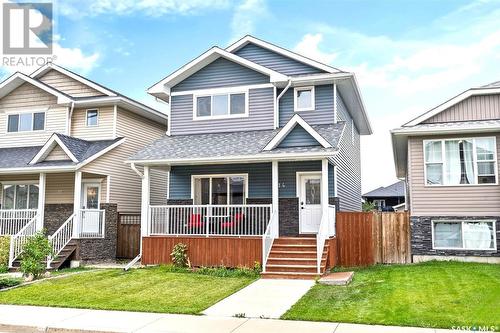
[
  {"x": 292, "y": 254},
  {"x": 294, "y": 268},
  {"x": 295, "y": 241},
  {"x": 61, "y": 258},
  {"x": 286, "y": 275},
  {"x": 293, "y": 261}
]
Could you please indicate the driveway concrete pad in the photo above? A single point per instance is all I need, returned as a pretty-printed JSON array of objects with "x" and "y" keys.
[
  {"x": 285, "y": 326},
  {"x": 265, "y": 298},
  {"x": 34, "y": 316},
  {"x": 195, "y": 324}
]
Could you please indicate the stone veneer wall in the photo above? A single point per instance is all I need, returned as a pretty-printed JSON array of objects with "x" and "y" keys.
[
  {"x": 101, "y": 249},
  {"x": 55, "y": 216},
  {"x": 421, "y": 237}
]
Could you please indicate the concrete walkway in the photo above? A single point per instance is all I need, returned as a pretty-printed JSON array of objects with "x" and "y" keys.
[
  {"x": 265, "y": 298},
  {"x": 42, "y": 319}
]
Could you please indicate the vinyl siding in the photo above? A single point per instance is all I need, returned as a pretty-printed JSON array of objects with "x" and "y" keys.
[
  {"x": 104, "y": 129},
  {"x": 298, "y": 137},
  {"x": 473, "y": 108},
  {"x": 221, "y": 73},
  {"x": 68, "y": 85},
  {"x": 259, "y": 177},
  {"x": 158, "y": 186},
  {"x": 322, "y": 114},
  {"x": 30, "y": 98},
  {"x": 260, "y": 115},
  {"x": 275, "y": 61},
  {"x": 448, "y": 200},
  {"x": 348, "y": 162},
  {"x": 57, "y": 154},
  {"x": 125, "y": 183}
]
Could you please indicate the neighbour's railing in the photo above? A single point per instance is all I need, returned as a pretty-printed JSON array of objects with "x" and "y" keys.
[
  {"x": 61, "y": 238},
  {"x": 326, "y": 226},
  {"x": 209, "y": 220},
  {"x": 91, "y": 223},
  {"x": 18, "y": 240},
  {"x": 268, "y": 238},
  {"x": 13, "y": 220}
]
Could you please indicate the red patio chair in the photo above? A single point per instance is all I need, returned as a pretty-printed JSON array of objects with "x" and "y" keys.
[
  {"x": 237, "y": 218},
  {"x": 195, "y": 221}
]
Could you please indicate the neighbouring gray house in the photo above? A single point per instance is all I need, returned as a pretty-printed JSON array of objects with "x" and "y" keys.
[
  {"x": 449, "y": 159},
  {"x": 262, "y": 144},
  {"x": 388, "y": 198}
]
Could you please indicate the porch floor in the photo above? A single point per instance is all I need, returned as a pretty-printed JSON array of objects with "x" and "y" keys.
[{"x": 264, "y": 298}]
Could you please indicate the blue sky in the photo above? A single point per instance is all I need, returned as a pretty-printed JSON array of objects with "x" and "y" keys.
[{"x": 408, "y": 55}]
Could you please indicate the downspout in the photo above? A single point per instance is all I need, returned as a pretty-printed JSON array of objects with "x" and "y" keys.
[
  {"x": 288, "y": 85},
  {"x": 70, "y": 117},
  {"x": 139, "y": 256}
]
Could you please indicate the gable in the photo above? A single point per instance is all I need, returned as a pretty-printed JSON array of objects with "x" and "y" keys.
[
  {"x": 275, "y": 61},
  {"x": 298, "y": 137},
  {"x": 221, "y": 73},
  {"x": 482, "y": 107},
  {"x": 57, "y": 154},
  {"x": 27, "y": 96},
  {"x": 68, "y": 85}
]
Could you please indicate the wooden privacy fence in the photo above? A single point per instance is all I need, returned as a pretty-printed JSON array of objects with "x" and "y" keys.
[
  {"x": 128, "y": 235},
  {"x": 368, "y": 238}
]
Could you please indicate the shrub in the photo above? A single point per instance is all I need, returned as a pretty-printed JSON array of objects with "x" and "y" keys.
[
  {"x": 35, "y": 252},
  {"x": 9, "y": 282},
  {"x": 227, "y": 272},
  {"x": 368, "y": 206},
  {"x": 179, "y": 255},
  {"x": 4, "y": 253}
]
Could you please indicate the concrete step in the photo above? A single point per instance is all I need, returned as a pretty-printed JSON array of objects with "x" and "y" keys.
[
  {"x": 273, "y": 268},
  {"x": 289, "y": 275}
]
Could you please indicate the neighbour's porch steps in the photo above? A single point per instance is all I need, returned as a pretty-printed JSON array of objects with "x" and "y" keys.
[
  {"x": 294, "y": 258},
  {"x": 61, "y": 258}
]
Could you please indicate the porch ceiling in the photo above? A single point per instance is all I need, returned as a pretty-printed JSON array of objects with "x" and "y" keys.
[{"x": 237, "y": 145}]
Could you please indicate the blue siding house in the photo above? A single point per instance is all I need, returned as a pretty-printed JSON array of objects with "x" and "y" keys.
[{"x": 262, "y": 144}]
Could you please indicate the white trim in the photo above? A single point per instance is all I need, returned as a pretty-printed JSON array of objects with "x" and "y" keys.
[
  {"x": 296, "y": 120},
  {"x": 335, "y": 172},
  {"x": 298, "y": 193},
  {"x": 145, "y": 202},
  {"x": 99, "y": 154},
  {"x": 221, "y": 93},
  {"x": 4, "y": 171},
  {"x": 298, "y": 174},
  {"x": 92, "y": 180},
  {"x": 277, "y": 102},
  {"x": 49, "y": 146},
  {"x": 51, "y": 66},
  {"x": 19, "y": 112},
  {"x": 87, "y": 117},
  {"x": 275, "y": 108},
  {"x": 115, "y": 120},
  {"x": 443, "y": 161},
  {"x": 236, "y": 158},
  {"x": 84, "y": 193},
  {"x": 295, "y": 99},
  {"x": 223, "y": 90},
  {"x": 19, "y": 182},
  {"x": 221, "y": 175},
  {"x": 449, "y": 103},
  {"x": 203, "y": 60},
  {"x": 275, "y": 191},
  {"x": 42, "y": 185},
  {"x": 250, "y": 39},
  {"x": 476, "y": 128},
  {"x": 493, "y": 222}
]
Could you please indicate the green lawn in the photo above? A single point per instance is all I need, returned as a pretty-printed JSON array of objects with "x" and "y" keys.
[
  {"x": 150, "y": 290},
  {"x": 434, "y": 294}
]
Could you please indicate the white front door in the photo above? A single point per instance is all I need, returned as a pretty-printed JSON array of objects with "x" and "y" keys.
[
  {"x": 90, "y": 212},
  {"x": 310, "y": 210}
]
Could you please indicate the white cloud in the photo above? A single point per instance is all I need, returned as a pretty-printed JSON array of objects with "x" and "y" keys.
[
  {"x": 77, "y": 8},
  {"x": 404, "y": 77},
  {"x": 246, "y": 16}
]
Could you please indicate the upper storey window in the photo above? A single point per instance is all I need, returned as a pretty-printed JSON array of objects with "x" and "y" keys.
[
  {"x": 223, "y": 105},
  {"x": 468, "y": 161},
  {"x": 26, "y": 122},
  {"x": 92, "y": 117},
  {"x": 304, "y": 99}
]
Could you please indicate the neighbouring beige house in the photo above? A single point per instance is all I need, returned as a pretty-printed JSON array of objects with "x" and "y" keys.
[
  {"x": 64, "y": 141},
  {"x": 449, "y": 159}
]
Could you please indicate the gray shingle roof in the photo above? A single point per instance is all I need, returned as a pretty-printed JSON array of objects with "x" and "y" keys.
[
  {"x": 230, "y": 144},
  {"x": 394, "y": 190},
  {"x": 20, "y": 157},
  {"x": 492, "y": 85}
]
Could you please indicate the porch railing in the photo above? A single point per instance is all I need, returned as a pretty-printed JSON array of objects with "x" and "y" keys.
[
  {"x": 91, "y": 223},
  {"x": 13, "y": 220},
  {"x": 18, "y": 240},
  {"x": 268, "y": 238},
  {"x": 61, "y": 238},
  {"x": 209, "y": 220},
  {"x": 326, "y": 229}
]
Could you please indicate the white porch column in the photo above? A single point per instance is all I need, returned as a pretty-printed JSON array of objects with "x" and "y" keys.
[
  {"x": 77, "y": 202},
  {"x": 275, "y": 188},
  {"x": 41, "y": 201},
  {"x": 145, "y": 203},
  {"x": 324, "y": 186}
]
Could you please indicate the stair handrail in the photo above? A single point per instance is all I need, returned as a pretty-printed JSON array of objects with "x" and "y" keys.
[
  {"x": 268, "y": 238},
  {"x": 60, "y": 238},
  {"x": 18, "y": 240}
]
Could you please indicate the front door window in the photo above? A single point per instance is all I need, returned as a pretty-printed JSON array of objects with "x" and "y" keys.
[
  {"x": 312, "y": 189},
  {"x": 309, "y": 202},
  {"x": 91, "y": 197}
]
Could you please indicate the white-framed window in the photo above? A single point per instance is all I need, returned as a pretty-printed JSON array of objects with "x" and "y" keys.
[
  {"x": 303, "y": 99},
  {"x": 220, "y": 105},
  {"x": 464, "y": 234},
  {"x": 92, "y": 117},
  {"x": 460, "y": 162},
  {"x": 20, "y": 196},
  {"x": 379, "y": 203},
  {"x": 222, "y": 189},
  {"x": 25, "y": 122}
]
